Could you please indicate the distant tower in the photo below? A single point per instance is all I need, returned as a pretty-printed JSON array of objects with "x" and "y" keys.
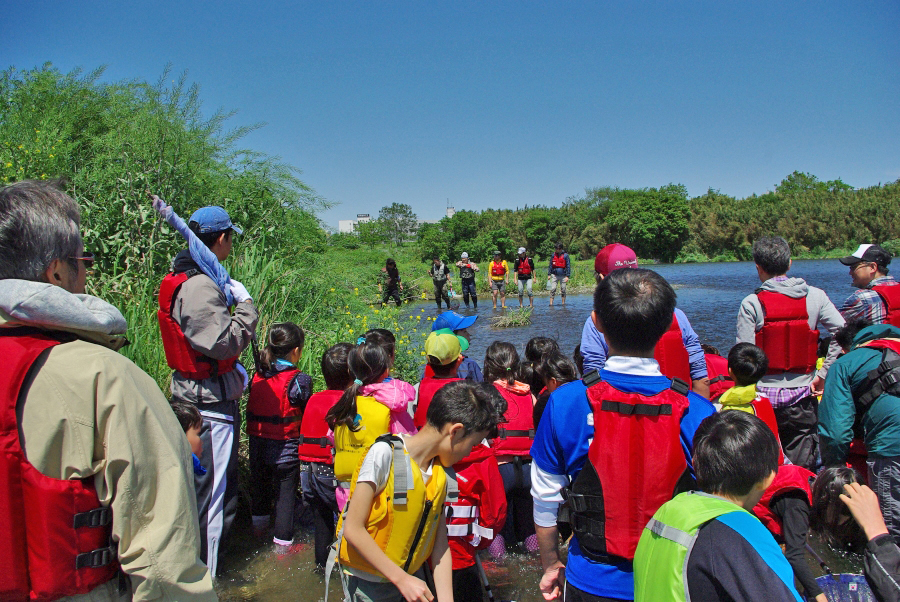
[{"x": 450, "y": 210}]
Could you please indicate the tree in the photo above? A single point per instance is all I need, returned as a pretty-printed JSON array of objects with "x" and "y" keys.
[
  {"x": 398, "y": 222},
  {"x": 371, "y": 233}
]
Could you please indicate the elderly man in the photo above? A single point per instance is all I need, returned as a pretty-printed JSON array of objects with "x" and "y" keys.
[
  {"x": 97, "y": 469},
  {"x": 877, "y": 299},
  {"x": 782, "y": 317}
]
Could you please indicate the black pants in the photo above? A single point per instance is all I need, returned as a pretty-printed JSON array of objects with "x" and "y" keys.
[
  {"x": 573, "y": 594},
  {"x": 440, "y": 293},
  {"x": 467, "y": 584},
  {"x": 519, "y": 503},
  {"x": 392, "y": 293},
  {"x": 798, "y": 431},
  {"x": 318, "y": 493},
  {"x": 278, "y": 483},
  {"x": 468, "y": 288}
]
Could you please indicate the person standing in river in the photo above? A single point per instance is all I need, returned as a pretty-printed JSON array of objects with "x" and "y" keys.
[
  {"x": 498, "y": 274},
  {"x": 524, "y": 269},
  {"x": 390, "y": 283},
  {"x": 440, "y": 276},
  {"x": 877, "y": 299},
  {"x": 782, "y": 317},
  {"x": 467, "y": 271},
  {"x": 558, "y": 273}
]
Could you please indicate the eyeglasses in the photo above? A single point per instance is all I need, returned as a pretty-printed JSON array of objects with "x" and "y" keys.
[
  {"x": 859, "y": 263},
  {"x": 87, "y": 258}
]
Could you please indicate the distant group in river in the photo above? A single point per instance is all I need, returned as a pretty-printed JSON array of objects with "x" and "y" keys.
[{"x": 669, "y": 471}]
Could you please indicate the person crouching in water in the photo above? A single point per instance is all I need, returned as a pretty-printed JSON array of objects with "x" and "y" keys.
[
  {"x": 395, "y": 520},
  {"x": 278, "y": 397},
  {"x": 706, "y": 545},
  {"x": 373, "y": 405}
]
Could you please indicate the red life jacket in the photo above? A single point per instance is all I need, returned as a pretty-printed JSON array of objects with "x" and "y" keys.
[
  {"x": 314, "y": 445},
  {"x": 516, "y": 432},
  {"x": 427, "y": 388},
  {"x": 497, "y": 269},
  {"x": 786, "y": 337},
  {"x": 523, "y": 266},
  {"x": 890, "y": 295},
  {"x": 180, "y": 356},
  {"x": 478, "y": 515},
  {"x": 717, "y": 372},
  {"x": 762, "y": 409},
  {"x": 672, "y": 355},
  {"x": 789, "y": 477},
  {"x": 270, "y": 414},
  {"x": 55, "y": 536},
  {"x": 559, "y": 261},
  {"x": 635, "y": 464}
]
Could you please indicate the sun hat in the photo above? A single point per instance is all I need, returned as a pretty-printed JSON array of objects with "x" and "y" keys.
[
  {"x": 444, "y": 346},
  {"x": 464, "y": 255},
  {"x": 521, "y": 250}
]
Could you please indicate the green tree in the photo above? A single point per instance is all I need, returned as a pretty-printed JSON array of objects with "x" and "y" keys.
[
  {"x": 371, "y": 233},
  {"x": 398, "y": 223}
]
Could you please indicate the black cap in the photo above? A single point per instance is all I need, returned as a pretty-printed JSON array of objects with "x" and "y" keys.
[{"x": 868, "y": 253}]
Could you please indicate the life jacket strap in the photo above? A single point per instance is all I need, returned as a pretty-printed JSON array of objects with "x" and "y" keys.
[
  {"x": 456, "y": 511},
  {"x": 97, "y": 558},
  {"x": 581, "y": 503},
  {"x": 671, "y": 533},
  {"x": 591, "y": 378},
  {"x": 273, "y": 419},
  {"x": 503, "y": 433},
  {"x": 98, "y": 517},
  {"x": 880, "y": 380},
  {"x": 467, "y": 529},
  {"x": 320, "y": 441},
  {"x": 719, "y": 378},
  {"x": 637, "y": 409}
]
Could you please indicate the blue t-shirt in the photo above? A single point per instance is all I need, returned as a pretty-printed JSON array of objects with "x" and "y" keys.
[{"x": 561, "y": 446}]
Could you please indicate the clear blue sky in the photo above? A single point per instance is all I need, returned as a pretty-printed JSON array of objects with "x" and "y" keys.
[{"x": 503, "y": 104}]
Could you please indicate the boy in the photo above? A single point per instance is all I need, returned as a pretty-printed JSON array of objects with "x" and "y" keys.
[
  {"x": 395, "y": 521},
  {"x": 707, "y": 546},
  {"x": 444, "y": 352},
  {"x": 191, "y": 422}
]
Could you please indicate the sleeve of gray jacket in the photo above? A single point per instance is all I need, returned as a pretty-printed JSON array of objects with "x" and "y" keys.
[
  {"x": 832, "y": 320},
  {"x": 210, "y": 328},
  {"x": 749, "y": 320}
]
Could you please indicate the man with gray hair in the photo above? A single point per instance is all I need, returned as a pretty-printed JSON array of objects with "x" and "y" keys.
[
  {"x": 782, "y": 317},
  {"x": 97, "y": 473}
]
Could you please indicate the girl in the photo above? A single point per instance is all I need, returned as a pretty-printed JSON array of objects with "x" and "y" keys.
[
  {"x": 373, "y": 400},
  {"x": 513, "y": 445},
  {"x": 554, "y": 370},
  {"x": 278, "y": 398}
]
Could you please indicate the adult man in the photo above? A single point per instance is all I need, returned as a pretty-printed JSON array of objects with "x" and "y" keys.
[
  {"x": 499, "y": 277},
  {"x": 679, "y": 352},
  {"x": 97, "y": 469},
  {"x": 862, "y": 388},
  {"x": 628, "y": 428},
  {"x": 878, "y": 299},
  {"x": 524, "y": 269},
  {"x": 558, "y": 273},
  {"x": 440, "y": 276},
  {"x": 467, "y": 271},
  {"x": 783, "y": 317},
  {"x": 203, "y": 339}
]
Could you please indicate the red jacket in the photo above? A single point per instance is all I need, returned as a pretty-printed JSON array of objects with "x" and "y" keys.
[
  {"x": 427, "y": 388},
  {"x": 788, "y": 478},
  {"x": 717, "y": 372},
  {"x": 516, "y": 432}
]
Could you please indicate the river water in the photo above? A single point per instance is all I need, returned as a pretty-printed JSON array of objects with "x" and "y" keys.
[{"x": 709, "y": 294}]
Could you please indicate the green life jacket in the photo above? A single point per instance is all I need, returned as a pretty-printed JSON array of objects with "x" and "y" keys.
[{"x": 661, "y": 558}]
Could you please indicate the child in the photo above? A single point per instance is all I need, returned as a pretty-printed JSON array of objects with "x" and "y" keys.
[
  {"x": 191, "y": 421},
  {"x": 513, "y": 445},
  {"x": 444, "y": 352},
  {"x": 717, "y": 371},
  {"x": 278, "y": 397},
  {"x": 785, "y": 506},
  {"x": 390, "y": 530},
  {"x": 372, "y": 405},
  {"x": 554, "y": 370},
  {"x": 317, "y": 481},
  {"x": 707, "y": 546},
  {"x": 535, "y": 349}
]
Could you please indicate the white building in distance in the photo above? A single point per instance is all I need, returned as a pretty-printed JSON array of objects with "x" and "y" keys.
[{"x": 348, "y": 226}]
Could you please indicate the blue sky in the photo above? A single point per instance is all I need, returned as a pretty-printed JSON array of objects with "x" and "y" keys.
[{"x": 503, "y": 104}]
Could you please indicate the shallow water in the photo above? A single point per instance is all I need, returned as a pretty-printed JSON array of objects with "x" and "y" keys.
[{"x": 709, "y": 294}]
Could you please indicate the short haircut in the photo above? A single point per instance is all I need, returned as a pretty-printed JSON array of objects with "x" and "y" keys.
[
  {"x": 846, "y": 333},
  {"x": 733, "y": 451},
  {"x": 538, "y": 346},
  {"x": 772, "y": 254},
  {"x": 208, "y": 238},
  {"x": 335, "y": 368},
  {"x": 187, "y": 414},
  {"x": 479, "y": 407},
  {"x": 748, "y": 363},
  {"x": 443, "y": 370},
  {"x": 557, "y": 366},
  {"x": 636, "y": 308},
  {"x": 38, "y": 223}
]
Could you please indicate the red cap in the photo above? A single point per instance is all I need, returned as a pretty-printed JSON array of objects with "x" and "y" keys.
[{"x": 613, "y": 257}]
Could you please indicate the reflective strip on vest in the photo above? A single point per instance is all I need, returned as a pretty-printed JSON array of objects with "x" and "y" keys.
[{"x": 671, "y": 533}]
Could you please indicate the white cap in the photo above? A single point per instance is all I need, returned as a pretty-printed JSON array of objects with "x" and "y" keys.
[
  {"x": 521, "y": 250},
  {"x": 464, "y": 255}
]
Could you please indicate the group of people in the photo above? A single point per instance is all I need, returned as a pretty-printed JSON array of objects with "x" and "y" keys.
[{"x": 671, "y": 472}]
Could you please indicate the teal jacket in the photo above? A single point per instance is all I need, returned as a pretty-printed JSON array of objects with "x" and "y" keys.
[{"x": 837, "y": 412}]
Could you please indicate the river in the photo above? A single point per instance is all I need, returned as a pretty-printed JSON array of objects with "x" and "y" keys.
[{"x": 709, "y": 294}]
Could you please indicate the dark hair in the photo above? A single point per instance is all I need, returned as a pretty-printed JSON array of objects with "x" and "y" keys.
[
  {"x": 748, "y": 363},
  {"x": 846, "y": 333},
  {"x": 368, "y": 362},
  {"x": 635, "y": 307},
  {"x": 335, "y": 369},
  {"x": 383, "y": 337},
  {"x": 538, "y": 346},
  {"x": 733, "y": 451},
  {"x": 284, "y": 337},
  {"x": 391, "y": 269},
  {"x": 772, "y": 254},
  {"x": 479, "y": 407},
  {"x": 578, "y": 358},
  {"x": 187, "y": 414},
  {"x": 208, "y": 238},
  {"x": 443, "y": 370},
  {"x": 557, "y": 366},
  {"x": 830, "y": 518},
  {"x": 501, "y": 362},
  {"x": 709, "y": 349}
]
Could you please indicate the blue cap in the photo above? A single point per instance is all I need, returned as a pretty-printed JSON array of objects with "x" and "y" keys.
[
  {"x": 213, "y": 219},
  {"x": 453, "y": 321}
]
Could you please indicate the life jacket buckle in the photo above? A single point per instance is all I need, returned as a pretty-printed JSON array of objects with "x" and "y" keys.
[
  {"x": 98, "y": 517},
  {"x": 95, "y": 558}
]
